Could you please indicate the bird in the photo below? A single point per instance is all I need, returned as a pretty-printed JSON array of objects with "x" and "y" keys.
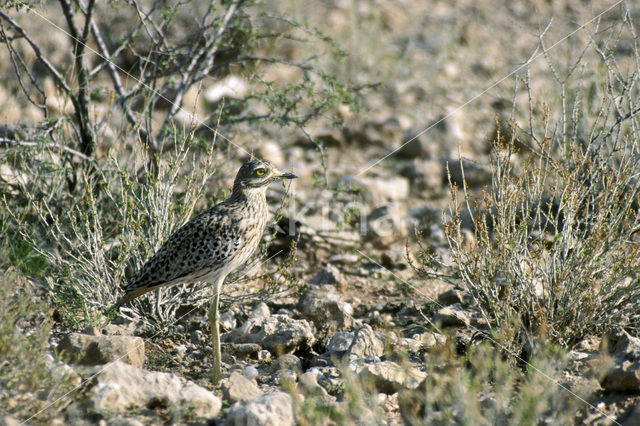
[{"x": 213, "y": 244}]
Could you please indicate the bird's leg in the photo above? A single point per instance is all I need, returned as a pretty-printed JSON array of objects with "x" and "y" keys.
[{"x": 215, "y": 333}]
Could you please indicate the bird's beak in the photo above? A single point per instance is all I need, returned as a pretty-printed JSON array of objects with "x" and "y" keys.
[{"x": 285, "y": 175}]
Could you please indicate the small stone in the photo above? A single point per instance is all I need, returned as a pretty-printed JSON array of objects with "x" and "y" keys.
[
  {"x": 344, "y": 259},
  {"x": 420, "y": 144},
  {"x": 181, "y": 350},
  {"x": 272, "y": 409},
  {"x": 271, "y": 151},
  {"x": 328, "y": 377},
  {"x": 453, "y": 296},
  {"x": 277, "y": 333},
  {"x": 250, "y": 372},
  {"x": 242, "y": 350},
  {"x": 227, "y": 321},
  {"x": 329, "y": 275},
  {"x": 410, "y": 345},
  {"x": 423, "y": 174},
  {"x": 322, "y": 305},
  {"x": 286, "y": 377},
  {"x": 386, "y": 224},
  {"x": 389, "y": 377},
  {"x": 264, "y": 355},
  {"x": 95, "y": 350},
  {"x": 429, "y": 339},
  {"x": 340, "y": 342},
  {"x": 329, "y": 137},
  {"x": 310, "y": 387},
  {"x": 365, "y": 343},
  {"x": 8, "y": 420},
  {"x": 624, "y": 375},
  {"x": 260, "y": 310},
  {"x": 198, "y": 338},
  {"x": 237, "y": 387},
  {"x": 472, "y": 173},
  {"x": 287, "y": 362},
  {"x": 231, "y": 86},
  {"x": 453, "y": 316},
  {"x": 61, "y": 372}
]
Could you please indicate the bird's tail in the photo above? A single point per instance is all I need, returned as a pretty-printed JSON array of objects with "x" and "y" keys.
[{"x": 131, "y": 292}]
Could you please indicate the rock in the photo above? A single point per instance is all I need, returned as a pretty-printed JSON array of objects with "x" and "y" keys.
[
  {"x": 198, "y": 338},
  {"x": 408, "y": 344},
  {"x": 94, "y": 350},
  {"x": 453, "y": 296},
  {"x": 365, "y": 343},
  {"x": 453, "y": 316},
  {"x": 624, "y": 375},
  {"x": 630, "y": 416},
  {"x": 475, "y": 174},
  {"x": 231, "y": 86},
  {"x": 427, "y": 221},
  {"x": 111, "y": 329},
  {"x": 327, "y": 137},
  {"x": 61, "y": 372},
  {"x": 242, "y": 350},
  {"x": 260, "y": 310},
  {"x": 270, "y": 150},
  {"x": 121, "y": 387},
  {"x": 389, "y": 377},
  {"x": 376, "y": 132},
  {"x": 321, "y": 304},
  {"x": 237, "y": 387},
  {"x": 8, "y": 420},
  {"x": 340, "y": 342},
  {"x": 386, "y": 224},
  {"x": 420, "y": 143},
  {"x": 123, "y": 421},
  {"x": 286, "y": 378},
  {"x": 328, "y": 377},
  {"x": 277, "y": 333},
  {"x": 310, "y": 388},
  {"x": 272, "y": 409},
  {"x": 429, "y": 339},
  {"x": 329, "y": 275},
  {"x": 227, "y": 321},
  {"x": 345, "y": 259},
  {"x": 250, "y": 372},
  {"x": 264, "y": 355},
  {"x": 287, "y": 362}
]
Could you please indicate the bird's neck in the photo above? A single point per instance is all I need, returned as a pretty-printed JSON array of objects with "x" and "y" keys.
[{"x": 248, "y": 194}]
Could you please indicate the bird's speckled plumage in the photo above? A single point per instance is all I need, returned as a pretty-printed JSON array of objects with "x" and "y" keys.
[{"x": 215, "y": 243}]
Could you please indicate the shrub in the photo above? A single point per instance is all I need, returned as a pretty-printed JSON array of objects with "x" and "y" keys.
[
  {"x": 104, "y": 180},
  {"x": 554, "y": 243},
  {"x": 27, "y": 383}
]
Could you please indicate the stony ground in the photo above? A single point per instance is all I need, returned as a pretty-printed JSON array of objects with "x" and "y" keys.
[{"x": 352, "y": 304}]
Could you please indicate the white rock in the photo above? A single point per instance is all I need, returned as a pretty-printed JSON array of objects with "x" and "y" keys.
[
  {"x": 273, "y": 409},
  {"x": 277, "y": 333},
  {"x": 121, "y": 387},
  {"x": 229, "y": 87},
  {"x": 389, "y": 377}
]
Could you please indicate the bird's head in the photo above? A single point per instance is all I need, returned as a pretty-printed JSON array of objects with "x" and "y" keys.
[{"x": 258, "y": 174}]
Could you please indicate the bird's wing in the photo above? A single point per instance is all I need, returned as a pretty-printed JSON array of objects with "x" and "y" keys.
[{"x": 196, "y": 249}]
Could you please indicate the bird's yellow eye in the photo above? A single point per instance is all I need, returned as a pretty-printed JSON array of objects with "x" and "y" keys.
[{"x": 260, "y": 172}]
